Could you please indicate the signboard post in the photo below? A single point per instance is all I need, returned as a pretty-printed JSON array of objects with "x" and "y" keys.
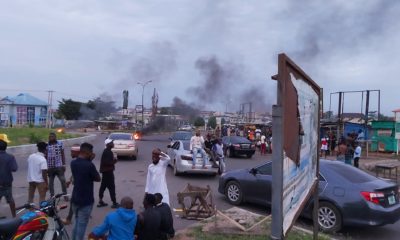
[{"x": 295, "y": 128}]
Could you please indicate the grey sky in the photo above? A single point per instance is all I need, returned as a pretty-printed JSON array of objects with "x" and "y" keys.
[{"x": 81, "y": 49}]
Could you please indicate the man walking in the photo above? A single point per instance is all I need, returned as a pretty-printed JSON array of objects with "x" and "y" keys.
[
  {"x": 119, "y": 224},
  {"x": 56, "y": 163},
  {"x": 7, "y": 166},
  {"x": 196, "y": 146},
  {"x": 156, "y": 181},
  {"x": 37, "y": 173},
  {"x": 84, "y": 174},
  {"x": 107, "y": 167}
]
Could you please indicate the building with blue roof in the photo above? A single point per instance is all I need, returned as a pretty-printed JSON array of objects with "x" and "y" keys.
[{"x": 23, "y": 109}]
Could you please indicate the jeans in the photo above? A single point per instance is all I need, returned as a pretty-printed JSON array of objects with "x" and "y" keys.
[
  {"x": 107, "y": 181},
  {"x": 82, "y": 215},
  {"x": 203, "y": 154},
  {"x": 52, "y": 173}
]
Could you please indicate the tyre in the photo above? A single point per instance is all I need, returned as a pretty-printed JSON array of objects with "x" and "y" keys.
[
  {"x": 134, "y": 157},
  {"x": 329, "y": 217},
  {"x": 234, "y": 193},
  {"x": 249, "y": 155}
]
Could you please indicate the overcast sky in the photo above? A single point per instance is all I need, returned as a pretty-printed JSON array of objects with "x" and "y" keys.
[{"x": 214, "y": 54}]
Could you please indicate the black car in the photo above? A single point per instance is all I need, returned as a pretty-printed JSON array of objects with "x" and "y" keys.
[
  {"x": 236, "y": 145},
  {"x": 347, "y": 195}
]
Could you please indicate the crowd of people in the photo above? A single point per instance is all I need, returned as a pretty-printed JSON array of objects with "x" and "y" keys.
[{"x": 155, "y": 222}]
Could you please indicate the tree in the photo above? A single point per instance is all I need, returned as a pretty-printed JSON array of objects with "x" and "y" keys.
[
  {"x": 199, "y": 122},
  {"x": 69, "y": 109},
  {"x": 212, "y": 122},
  {"x": 223, "y": 121}
]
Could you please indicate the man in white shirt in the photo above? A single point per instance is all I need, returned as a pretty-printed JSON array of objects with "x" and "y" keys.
[
  {"x": 156, "y": 181},
  {"x": 196, "y": 146},
  {"x": 37, "y": 173},
  {"x": 357, "y": 155}
]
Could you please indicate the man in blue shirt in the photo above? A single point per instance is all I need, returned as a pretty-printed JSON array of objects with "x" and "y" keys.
[
  {"x": 84, "y": 174},
  {"x": 7, "y": 166},
  {"x": 119, "y": 224}
]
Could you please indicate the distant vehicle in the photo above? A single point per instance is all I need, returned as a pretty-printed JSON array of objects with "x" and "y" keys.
[
  {"x": 186, "y": 127},
  {"x": 124, "y": 145},
  {"x": 236, "y": 145},
  {"x": 347, "y": 195},
  {"x": 182, "y": 159}
]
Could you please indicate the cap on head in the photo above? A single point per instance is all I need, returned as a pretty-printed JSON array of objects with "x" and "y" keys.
[
  {"x": 107, "y": 141},
  {"x": 4, "y": 138}
]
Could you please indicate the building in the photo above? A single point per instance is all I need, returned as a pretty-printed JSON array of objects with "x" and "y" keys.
[{"x": 21, "y": 110}]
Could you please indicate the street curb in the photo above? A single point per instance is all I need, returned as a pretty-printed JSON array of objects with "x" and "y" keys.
[{"x": 24, "y": 150}]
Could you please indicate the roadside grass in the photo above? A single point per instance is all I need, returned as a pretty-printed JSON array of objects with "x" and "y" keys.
[{"x": 20, "y": 136}]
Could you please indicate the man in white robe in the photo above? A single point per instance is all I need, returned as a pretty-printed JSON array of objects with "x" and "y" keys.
[{"x": 156, "y": 181}]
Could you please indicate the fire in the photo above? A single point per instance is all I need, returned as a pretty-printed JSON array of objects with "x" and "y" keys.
[
  {"x": 60, "y": 130},
  {"x": 136, "y": 136}
]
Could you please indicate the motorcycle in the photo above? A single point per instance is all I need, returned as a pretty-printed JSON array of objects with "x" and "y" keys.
[{"x": 36, "y": 224}]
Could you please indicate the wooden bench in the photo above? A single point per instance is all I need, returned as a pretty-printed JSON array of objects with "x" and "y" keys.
[{"x": 387, "y": 166}]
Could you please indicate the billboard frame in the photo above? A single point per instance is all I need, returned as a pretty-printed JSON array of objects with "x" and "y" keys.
[{"x": 286, "y": 136}]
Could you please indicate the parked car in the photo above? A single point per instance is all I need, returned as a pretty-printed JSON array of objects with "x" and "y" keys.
[
  {"x": 186, "y": 127},
  {"x": 124, "y": 145},
  {"x": 182, "y": 159},
  {"x": 347, "y": 195},
  {"x": 236, "y": 145}
]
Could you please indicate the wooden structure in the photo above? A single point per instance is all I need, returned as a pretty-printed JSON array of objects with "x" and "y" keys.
[{"x": 200, "y": 203}]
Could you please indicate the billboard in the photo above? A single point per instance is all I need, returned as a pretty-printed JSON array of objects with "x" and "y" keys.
[
  {"x": 139, "y": 108},
  {"x": 297, "y": 136}
]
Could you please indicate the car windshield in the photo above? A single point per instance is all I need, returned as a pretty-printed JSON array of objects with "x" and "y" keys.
[
  {"x": 351, "y": 174},
  {"x": 120, "y": 136},
  {"x": 237, "y": 139},
  {"x": 181, "y": 136}
]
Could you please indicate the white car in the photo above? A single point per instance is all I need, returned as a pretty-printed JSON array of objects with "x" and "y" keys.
[
  {"x": 185, "y": 128},
  {"x": 181, "y": 160},
  {"x": 124, "y": 145}
]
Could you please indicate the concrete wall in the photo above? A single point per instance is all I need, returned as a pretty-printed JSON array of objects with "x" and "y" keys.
[{"x": 24, "y": 150}]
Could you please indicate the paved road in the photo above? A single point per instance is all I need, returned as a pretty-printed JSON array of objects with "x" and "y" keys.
[{"x": 131, "y": 177}]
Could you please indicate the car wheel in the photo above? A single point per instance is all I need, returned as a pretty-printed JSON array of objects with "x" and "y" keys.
[
  {"x": 176, "y": 172},
  {"x": 134, "y": 157},
  {"x": 249, "y": 155},
  {"x": 329, "y": 217},
  {"x": 233, "y": 192}
]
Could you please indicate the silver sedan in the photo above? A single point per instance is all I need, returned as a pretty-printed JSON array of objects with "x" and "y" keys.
[{"x": 181, "y": 160}]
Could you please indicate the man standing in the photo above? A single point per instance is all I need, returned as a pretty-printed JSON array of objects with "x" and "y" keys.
[
  {"x": 107, "y": 167},
  {"x": 7, "y": 166},
  {"x": 357, "y": 155},
  {"x": 84, "y": 174},
  {"x": 196, "y": 146},
  {"x": 149, "y": 221},
  {"x": 156, "y": 181},
  {"x": 167, "y": 222},
  {"x": 55, "y": 163},
  {"x": 37, "y": 173},
  {"x": 119, "y": 224}
]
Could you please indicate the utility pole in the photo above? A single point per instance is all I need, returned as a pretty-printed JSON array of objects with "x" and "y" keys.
[
  {"x": 49, "y": 106},
  {"x": 143, "y": 85}
]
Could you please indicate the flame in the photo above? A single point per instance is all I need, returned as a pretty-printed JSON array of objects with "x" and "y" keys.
[{"x": 136, "y": 136}]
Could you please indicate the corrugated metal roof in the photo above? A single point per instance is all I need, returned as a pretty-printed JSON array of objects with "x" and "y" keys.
[{"x": 25, "y": 99}]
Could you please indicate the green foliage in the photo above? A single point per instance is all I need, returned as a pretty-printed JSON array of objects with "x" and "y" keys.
[
  {"x": 69, "y": 109},
  {"x": 20, "y": 136},
  {"x": 212, "y": 122},
  {"x": 199, "y": 122},
  {"x": 223, "y": 121}
]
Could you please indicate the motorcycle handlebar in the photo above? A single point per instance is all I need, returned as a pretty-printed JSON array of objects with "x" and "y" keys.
[{"x": 27, "y": 205}]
